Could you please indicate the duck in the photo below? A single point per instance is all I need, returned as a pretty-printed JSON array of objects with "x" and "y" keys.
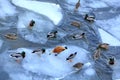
[
  {"x": 111, "y": 61},
  {"x": 89, "y": 17},
  {"x": 58, "y": 49},
  {"x": 31, "y": 24},
  {"x": 39, "y": 51},
  {"x": 18, "y": 56},
  {"x": 78, "y": 66},
  {"x": 77, "y": 5},
  {"x": 71, "y": 56},
  {"x": 104, "y": 46},
  {"x": 75, "y": 23},
  {"x": 97, "y": 54},
  {"x": 79, "y": 36},
  {"x": 11, "y": 36},
  {"x": 52, "y": 34}
]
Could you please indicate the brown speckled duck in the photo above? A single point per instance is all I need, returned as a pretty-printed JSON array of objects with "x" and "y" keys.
[
  {"x": 97, "y": 54},
  {"x": 77, "y": 5},
  {"x": 18, "y": 56},
  {"x": 75, "y": 23},
  {"x": 71, "y": 56},
  {"x": 11, "y": 36},
  {"x": 78, "y": 66},
  {"x": 104, "y": 46},
  {"x": 58, "y": 49}
]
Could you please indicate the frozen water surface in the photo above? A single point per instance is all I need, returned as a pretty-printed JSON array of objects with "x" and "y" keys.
[
  {"x": 52, "y": 11},
  {"x": 51, "y": 15}
]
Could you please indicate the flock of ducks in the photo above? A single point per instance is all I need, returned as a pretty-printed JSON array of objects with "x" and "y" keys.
[
  {"x": 18, "y": 57},
  {"x": 58, "y": 49},
  {"x": 97, "y": 54}
]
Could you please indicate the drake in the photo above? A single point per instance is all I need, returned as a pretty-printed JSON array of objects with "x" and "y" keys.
[
  {"x": 78, "y": 36},
  {"x": 39, "y": 51},
  {"x": 71, "y": 56},
  {"x": 31, "y": 24},
  {"x": 18, "y": 56},
  {"x": 52, "y": 34}
]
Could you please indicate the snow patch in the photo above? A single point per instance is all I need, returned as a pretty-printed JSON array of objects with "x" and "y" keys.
[
  {"x": 38, "y": 34},
  {"x": 107, "y": 38},
  {"x": 90, "y": 72},
  {"x": 6, "y": 9},
  {"x": 55, "y": 66},
  {"x": 51, "y": 10},
  {"x": 112, "y": 26}
]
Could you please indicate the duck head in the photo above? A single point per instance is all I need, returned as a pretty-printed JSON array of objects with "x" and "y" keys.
[{"x": 23, "y": 54}]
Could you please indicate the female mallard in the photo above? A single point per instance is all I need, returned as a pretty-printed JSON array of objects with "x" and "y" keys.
[
  {"x": 58, "y": 49},
  {"x": 76, "y": 24},
  {"x": 97, "y": 54},
  {"x": 52, "y": 34},
  {"x": 11, "y": 36},
  {"x": 104, "y": 46},
  {"x": 18, "y": 56},
  {"x": 71, "y": 56},
  {"x": 78, "y": 66},
  {"x": 39, "y": 51},
  {"x": 77, "y": 5}
]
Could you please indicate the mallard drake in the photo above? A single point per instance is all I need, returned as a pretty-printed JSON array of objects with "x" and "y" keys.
[
  {"x": 79, "y": 36},
  {"x": 77, "y": 5},
  {"x": 32, "y": 23},
  {"x": 78, "y": 66},
  {"x": 39, "y": 51},
  {"x": 76, "y": 24},
  {"x": 71, "y": 56},
  {"x": 111, "y": 61},
  {"x": 90, "y": 17},
  {"x": 18, "y": 56},
  {"x": 58, "y": 49},
  {"x": 52, "y": 34},
  {"x": 11, "y": 36},
  {"x": 104, "y": 46},
  {"x": 97, "y": 54}
]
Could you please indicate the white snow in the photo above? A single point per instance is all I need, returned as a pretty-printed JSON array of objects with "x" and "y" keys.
[
  {"x": 51, "y": 65},
  {"x": 113, "y": 3},
  {"x": 51, "y": 10},
  {"x": 55, "y": 66},
  {"x": 111, "y": 25},
  {"x": 6, "y": 9},
  {"x": 38, "y": 33},
  {"x": 107, "y": 38},
  {"x": 90, "y": 72}
]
